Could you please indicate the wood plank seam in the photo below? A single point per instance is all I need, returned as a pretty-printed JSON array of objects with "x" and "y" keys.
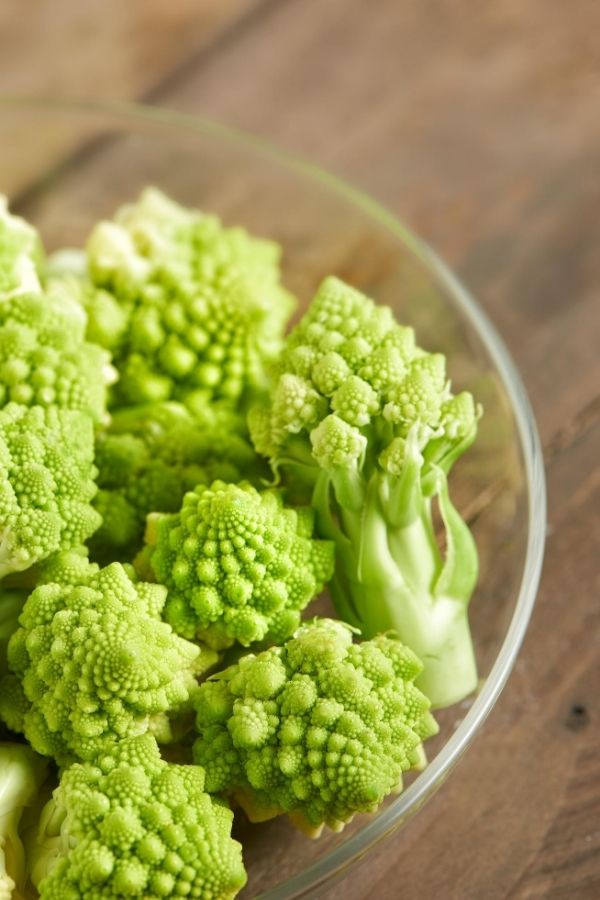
[
  {"x": 222, "y": 41},
  {"x": 86, "y": 152},
  {"x": 576, "y": 428}
]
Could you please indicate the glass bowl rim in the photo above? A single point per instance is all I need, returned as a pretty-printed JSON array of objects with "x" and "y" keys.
[{"x": 338, "y": 860}]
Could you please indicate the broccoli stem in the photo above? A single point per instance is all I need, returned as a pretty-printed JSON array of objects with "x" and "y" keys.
[
  {"x": 341, "y": 590},
  {"x": 22, "y": 773},
  {"x": 415, "y": 551},
  {"x": 450, "y": 672},
  {"x": 394, "y": 579},
  {"x": 49, "y": 842}
]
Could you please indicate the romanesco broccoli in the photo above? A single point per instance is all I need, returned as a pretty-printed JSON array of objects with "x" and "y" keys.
[
  {"x": 133, "y": 825},
  {"x": 357, "y": 429},
  {"x": 367, "y": 418},
  {"x": 44, "y": 359},
  {"x": 151, "y": 456},
  {"x": 204, "y": 305},
  {"x": 94, "y": 661},
  {"x": 238, "y": 564},
  {"x": 207, "y": 436},
  {"x": 20, "y": 255},
  {"x": 320, "y": 728},
  {"x": 106, "y": 319},
  {"x": 46, "y": 483}
]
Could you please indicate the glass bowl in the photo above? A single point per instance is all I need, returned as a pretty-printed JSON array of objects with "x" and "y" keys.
[{"x": 65, "y": 165}]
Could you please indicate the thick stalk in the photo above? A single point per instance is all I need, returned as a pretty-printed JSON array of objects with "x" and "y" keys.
[
  {"x": 345, "y": 562},
  {"x": 49, "y": 843},
  {"x": 435, "y": 628},
  {"x": 349, "y": 488},
  {"x": 415, "y": 551},
  {"x": 22, "y": 773},
  {"x": 408, "y": 516}
]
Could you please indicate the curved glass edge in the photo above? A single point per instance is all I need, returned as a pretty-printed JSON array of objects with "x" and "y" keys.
[{"x": 337, "y": 861}]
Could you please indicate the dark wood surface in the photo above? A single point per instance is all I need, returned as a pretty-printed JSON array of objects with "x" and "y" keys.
[{"x": 478, "y": 124}]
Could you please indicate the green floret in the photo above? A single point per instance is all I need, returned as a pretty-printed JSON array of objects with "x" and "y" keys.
[
  {"x": 151, "y": 456},
  {"x": 70, "y": 567},
  {"x": 46, "y": 484},
  {"x": 22, "y": 773},
  {"x": 320, "y": 728},
  {"x": 94, "y": 660},
  {"x": 204, "y": 306},
  {"x": 106, "y": 319},
  {"x": 133, "y": 825},
  {"x": 203, "y": 435},
  {"x": 362, "y": 423},
  {"x": 132, "y": 484},
  {"x": 239, "y": 565},
  {"x": 20, "y": 255},
  {"x": 44, "y": 359}
]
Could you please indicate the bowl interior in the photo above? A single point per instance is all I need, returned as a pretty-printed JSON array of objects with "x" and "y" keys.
[{"x": 78, "y": 164}]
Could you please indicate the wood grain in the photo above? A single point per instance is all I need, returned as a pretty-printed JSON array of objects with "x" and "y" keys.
[
  {"x": 103, "y": 47},
  {"x": 479, "y": 125},
  {"x": 100, "y": 49}
]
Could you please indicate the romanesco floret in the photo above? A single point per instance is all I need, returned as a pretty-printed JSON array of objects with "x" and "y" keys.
[
  {"x": 44, "y": 359},
  {"x": 207, "y": 436},
  {"x": 132, "y": 483},
  {"x": 133, "y": 825},
  {"x": 204, "y": 305},
  {"x": 22, "y": 773},
  {"x": 20, "y": 255},
  {"x": 95, "y": 661},
  {"x": 366, "y": 421},
  {"x": 46, "y": 483},
  {"x": 151, "y": 456},
  {"x": 320, "y": 728},
  {"x": 106, "y": 319},
  {"x": 238, "y": 564},
  {"x": 71, "y": 567}
]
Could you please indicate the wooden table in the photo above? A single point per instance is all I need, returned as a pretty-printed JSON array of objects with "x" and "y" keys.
[{"x": 479, "y": 125}]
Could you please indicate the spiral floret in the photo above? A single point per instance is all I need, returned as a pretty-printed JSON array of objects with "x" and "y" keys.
[
  {"x": 203, "y": 305},
  {"x": 44, "y": 358},
  {"x": 320, "y": 728},
  {"x": 151, "y": 456},
  {"x": 46, "y": 484},
  {"x": 238, "y": 564},
  {"x": 95, "y": 661},
  {"x": 133, "y": 825}
]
